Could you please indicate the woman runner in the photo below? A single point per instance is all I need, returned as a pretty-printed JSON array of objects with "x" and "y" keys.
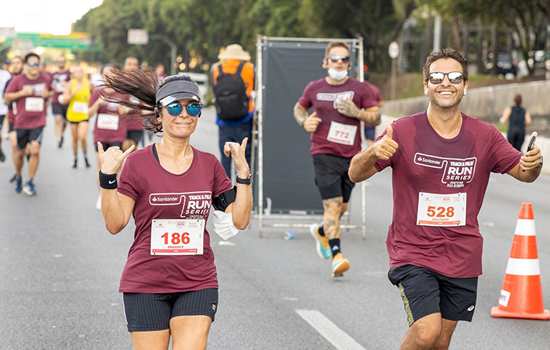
[
  {"x": 78, "y": 94},
  {"x": 169, "y": 283}
]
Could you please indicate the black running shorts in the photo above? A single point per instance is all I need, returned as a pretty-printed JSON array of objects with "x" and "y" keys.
[
  {"x": 135, "y": 135},
  {"x": 59, "y": 109},
  {"x": 26, "y": 136},
  {"x": 331, "y": 176},
  {"x": 152, "y": 312},
  {"x": 425, "y": 292},
  {"x": 106, "y": 145}
]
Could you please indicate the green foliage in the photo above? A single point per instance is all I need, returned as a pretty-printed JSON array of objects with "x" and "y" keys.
[{"x": 199, "y": 28}]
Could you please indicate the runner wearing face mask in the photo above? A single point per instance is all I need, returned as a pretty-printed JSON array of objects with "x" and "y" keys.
[
  {"x": 339, "y": 104},
  {"x": 169, "y": 282}
]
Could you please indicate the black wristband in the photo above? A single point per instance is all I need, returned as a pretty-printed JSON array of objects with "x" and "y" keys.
[
  {"x": 245, "y": 181},
  {"x": 107, "y": 181}
]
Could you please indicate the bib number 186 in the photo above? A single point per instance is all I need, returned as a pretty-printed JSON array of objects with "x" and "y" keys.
[{"x": 176, "y": 238}]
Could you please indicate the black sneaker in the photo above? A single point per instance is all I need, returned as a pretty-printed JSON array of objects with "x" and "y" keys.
[
  {"x": 2, "y": 156},
  {"x": 13, "y": 178},
  {"x": 60, "y": 143},
  {"x": 86, "y": 162},
  {"x": 75, "y": 164}
]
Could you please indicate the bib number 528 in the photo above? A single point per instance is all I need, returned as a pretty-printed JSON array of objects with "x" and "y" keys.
[{"x": 440, "y": 212}]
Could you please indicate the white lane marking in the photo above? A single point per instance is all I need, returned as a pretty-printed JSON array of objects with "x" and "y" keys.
[
  {"x": 226, "y": 243},
  {"x": 337, "y": 337}
]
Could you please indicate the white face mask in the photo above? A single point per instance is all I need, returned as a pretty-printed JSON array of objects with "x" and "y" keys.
[{"x": 337, "y": 74}]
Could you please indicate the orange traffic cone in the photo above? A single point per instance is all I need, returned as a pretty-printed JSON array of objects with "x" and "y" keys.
[{"x": 521, "y": 293}]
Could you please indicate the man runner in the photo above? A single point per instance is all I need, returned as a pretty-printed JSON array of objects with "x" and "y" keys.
[
  {"x": 441, "y": 161},
  {"x": 339, "y": 104},
  {"x": 29, "y": 91}
]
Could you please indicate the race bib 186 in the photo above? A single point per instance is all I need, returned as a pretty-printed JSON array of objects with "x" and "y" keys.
[
  {"x": 177, "y": 236},
  {"x": 343, "y": 134},
  {"x": 443, "y": 210}
]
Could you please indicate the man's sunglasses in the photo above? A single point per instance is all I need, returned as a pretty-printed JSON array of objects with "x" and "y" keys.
[
  {"x": 438, "y": 77},
  {"x": 33, "y": 65},
  {"x": 193, "y": 109},
  {"x": 336, "y": 59}
]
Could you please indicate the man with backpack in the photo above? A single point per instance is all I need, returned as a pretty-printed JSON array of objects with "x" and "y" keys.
[{"x": 233, "y": 82}]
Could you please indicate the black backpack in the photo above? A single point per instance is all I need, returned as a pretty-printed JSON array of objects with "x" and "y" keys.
[{"x": 230, "y": 93}]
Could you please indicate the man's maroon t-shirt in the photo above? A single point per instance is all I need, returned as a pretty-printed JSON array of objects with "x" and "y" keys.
[
  {"x": 321, "y": 96},
  {"x": 104, "y": 131},
  {"x": 159, "y": 194},
  {"x": 58, "y": 79},
  {"x": 28, "y": 116},
  {"x": 429, "y": 164}
]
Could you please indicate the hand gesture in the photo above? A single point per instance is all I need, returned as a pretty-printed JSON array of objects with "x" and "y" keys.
[
  {"x": 238, "y": 154},
  {"x": 347, "y": 108},
  {"x": 110, "y": 161},
  {"x": 386, "y": 147},
  {"x": 311, "y": 123},
  {"x": 531, "y": 160},
  {"x": 27, "y": 90}
]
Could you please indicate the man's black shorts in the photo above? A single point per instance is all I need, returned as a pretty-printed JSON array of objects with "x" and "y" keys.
[
  {"x": 26, "y": 136},
  {"x": 135, "y": 135},
  {"x": 331, "y": 176},
  {"x": 59, "y": 109},
  {"x": 425, "y": 292},
  {"x": 152, "y": 312}
]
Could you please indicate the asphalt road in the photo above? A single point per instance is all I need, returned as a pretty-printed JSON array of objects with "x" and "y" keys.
[{"x": 59, "y": 272}]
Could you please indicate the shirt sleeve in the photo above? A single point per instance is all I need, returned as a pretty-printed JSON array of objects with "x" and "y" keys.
[
  {"x": 128, "y": 184},
  {"x": 13, "y": 86},
  {"x": 305, "y": 100},
  {"x": 503, "y": 156},
  {"x": 371, "y": 97},
  {"x": 94, "y": 97},
  {"x": 221, "y": 182}
]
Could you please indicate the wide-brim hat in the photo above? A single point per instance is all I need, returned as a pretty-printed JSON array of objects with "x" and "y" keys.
[{"x": 234, "y": 51}]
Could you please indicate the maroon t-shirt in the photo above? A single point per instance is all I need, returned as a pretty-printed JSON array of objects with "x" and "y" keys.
[
  {"x": 109, "y": 127},
  {"x": 12, "y": 108},
  {"x": 134, "y": 119},
  {"x": 426, "y": 164},
  {"x": 321, "y": 96},
  {"x": 58, "y": 79},
  {"x": 30, "y": 110},
  {"x": 159, "y": 194}
]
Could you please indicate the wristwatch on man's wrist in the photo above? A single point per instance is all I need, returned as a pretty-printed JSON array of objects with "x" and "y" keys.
[{"x": 244, "y": 180}]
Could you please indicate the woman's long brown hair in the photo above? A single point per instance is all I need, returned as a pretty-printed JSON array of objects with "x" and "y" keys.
[{"x": 143, "y": 86}]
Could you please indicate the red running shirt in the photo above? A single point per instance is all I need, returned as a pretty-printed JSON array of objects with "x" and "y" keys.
[
  {"x": 159, "y": 194},
  {"x": 425, "y": 162}
]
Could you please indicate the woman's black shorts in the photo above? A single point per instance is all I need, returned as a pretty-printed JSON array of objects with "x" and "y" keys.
[{"x": 152, "y": 312}]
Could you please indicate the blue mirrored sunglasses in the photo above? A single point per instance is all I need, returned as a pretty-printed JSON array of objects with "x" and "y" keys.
[{"x": 193, "y": 109}]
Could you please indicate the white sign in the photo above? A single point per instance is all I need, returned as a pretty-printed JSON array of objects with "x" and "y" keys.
[
  {"x": 393, "y": 50},
  {"x": 138, "y": 36}
]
